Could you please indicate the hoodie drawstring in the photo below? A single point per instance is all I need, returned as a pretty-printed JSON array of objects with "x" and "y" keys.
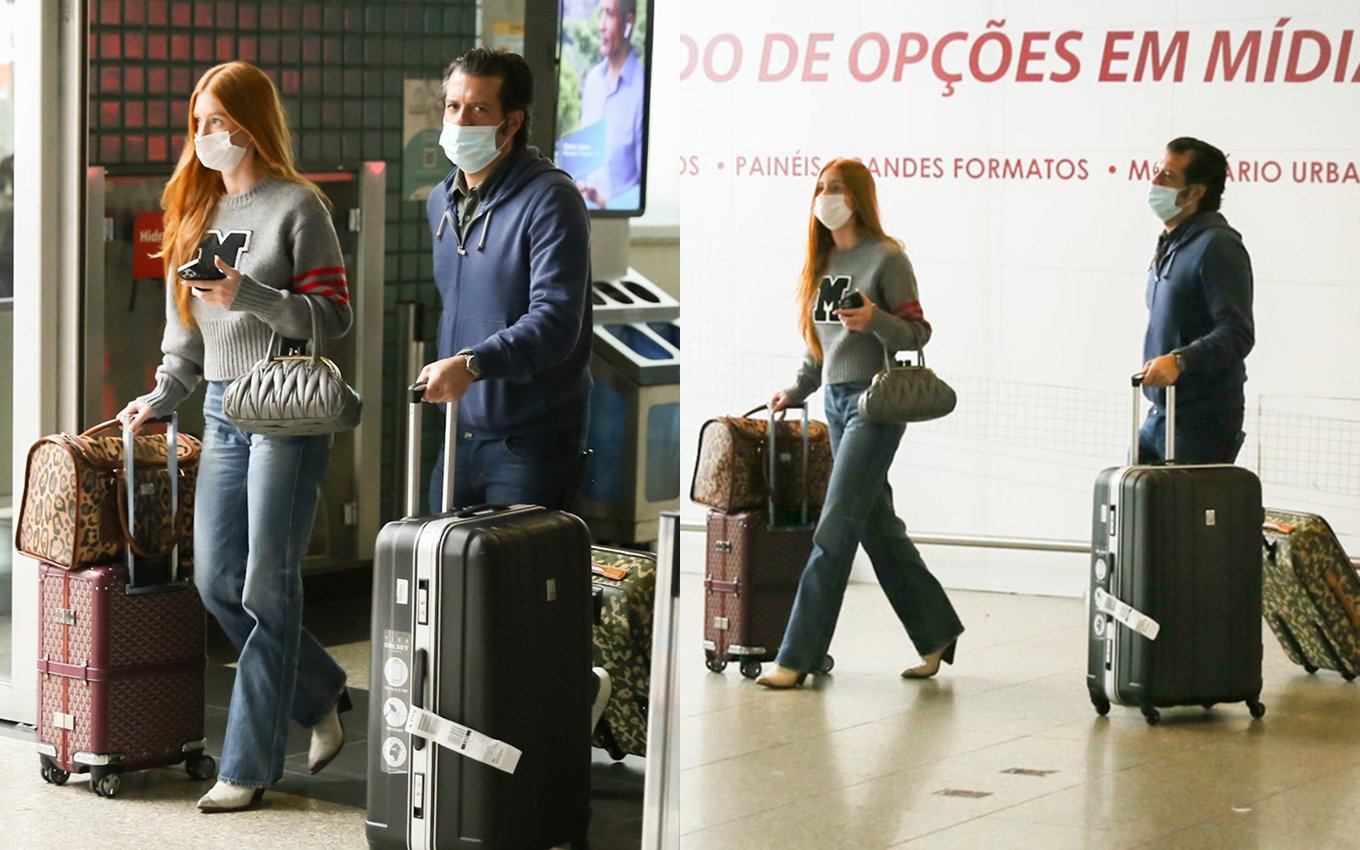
[{"x": 485, "y": 227}]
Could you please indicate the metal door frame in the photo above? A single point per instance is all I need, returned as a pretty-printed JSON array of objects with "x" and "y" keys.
[{"x": 49, "y": 142}]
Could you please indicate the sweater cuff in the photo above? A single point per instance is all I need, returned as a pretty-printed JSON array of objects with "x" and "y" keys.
[
  {"x": 490, "y": 364},
  {"x": 165, "y": 397},
  {"x": 254, "y": 297},
  {"x": 798, "y": 394}
]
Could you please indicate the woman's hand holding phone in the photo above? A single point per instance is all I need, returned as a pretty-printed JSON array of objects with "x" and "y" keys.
[{"x": 855, "y": 311}]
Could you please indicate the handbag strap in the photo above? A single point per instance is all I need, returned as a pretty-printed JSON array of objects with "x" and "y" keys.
[
  {"x": 758, "y": 408},
  {"x": 316, "y": 332}
]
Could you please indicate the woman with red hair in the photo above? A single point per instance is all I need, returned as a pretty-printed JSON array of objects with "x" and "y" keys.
[
  {"x": 256, "y": 241},
  {"x": 857, "y": 300}
]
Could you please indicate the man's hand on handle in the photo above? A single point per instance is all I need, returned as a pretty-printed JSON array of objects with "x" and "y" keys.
[
  {"x": 1161, "y": 371},
  {"x": 446, "y": 380}
]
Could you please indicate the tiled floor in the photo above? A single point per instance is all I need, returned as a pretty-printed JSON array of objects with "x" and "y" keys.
[
  {"x": 862, "y": 758},
  {"x": 301, "y": 812}
]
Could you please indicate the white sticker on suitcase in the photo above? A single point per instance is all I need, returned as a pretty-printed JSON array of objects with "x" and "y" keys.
[
  {"x": 1127, "y": 614},
  {"x": 462, "y": 740}
]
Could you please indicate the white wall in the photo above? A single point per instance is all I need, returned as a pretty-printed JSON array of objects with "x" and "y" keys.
[{"x": 1034, "y": 286}]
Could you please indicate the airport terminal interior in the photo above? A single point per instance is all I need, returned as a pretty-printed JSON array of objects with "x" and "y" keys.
[{"x": 1003, "y": 748}]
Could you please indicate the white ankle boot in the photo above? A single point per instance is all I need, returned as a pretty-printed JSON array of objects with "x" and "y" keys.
[
  {"x": 328, "y": 737},
  {"x": 603, "y": 689},
  {"x": 225, "y": 797}
]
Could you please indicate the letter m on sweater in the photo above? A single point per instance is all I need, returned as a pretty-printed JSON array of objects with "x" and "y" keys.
[
  {"x": 833, "y": 289},
  {"x": 229, "y": 246}
]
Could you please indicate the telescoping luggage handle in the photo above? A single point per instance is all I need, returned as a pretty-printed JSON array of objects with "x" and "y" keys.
[
  {"x": 172, "y": 466},
  {"x": 1170, "y": 418},
  {"x": 415, "y": 396},
  {"x": 771, "y": 459}
]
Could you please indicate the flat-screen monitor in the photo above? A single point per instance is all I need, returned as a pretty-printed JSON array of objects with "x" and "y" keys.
[{"x": 604, "y": 52}]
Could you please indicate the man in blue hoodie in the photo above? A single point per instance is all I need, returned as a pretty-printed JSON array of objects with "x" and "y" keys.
[
  {"x": 512, "y": 263},
  {"x": 1200, "y": 325}
]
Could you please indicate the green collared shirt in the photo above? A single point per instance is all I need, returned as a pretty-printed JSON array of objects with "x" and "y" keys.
[{"x": 466, "y": 201}]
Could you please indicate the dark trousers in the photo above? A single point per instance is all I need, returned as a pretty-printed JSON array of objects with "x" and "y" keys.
[
  {"x": 1200, "y": 437},
  {"x": 538, "y": 468}
]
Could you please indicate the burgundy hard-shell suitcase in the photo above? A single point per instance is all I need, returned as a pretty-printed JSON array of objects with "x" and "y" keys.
[
  {"x": 752, "y": 569},
  {"x": 120, "y": 671},
  {"x": 1175, "y": 586},
  {"x": 481, "y": 618}
]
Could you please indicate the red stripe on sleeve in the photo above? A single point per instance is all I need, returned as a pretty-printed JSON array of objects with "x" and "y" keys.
[
  {"x": 339, "y": 294},
  {"x": 911, "y": 310},
  {"x": 340, "y": 270}
]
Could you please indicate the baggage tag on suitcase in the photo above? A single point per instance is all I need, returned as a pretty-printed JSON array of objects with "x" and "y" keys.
[{"x": 462, "y": 740}]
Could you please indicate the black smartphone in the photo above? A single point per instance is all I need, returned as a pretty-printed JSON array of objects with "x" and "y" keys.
[
  {"x": 200, "y": 268},
  {"x": 852, "y": 301}
]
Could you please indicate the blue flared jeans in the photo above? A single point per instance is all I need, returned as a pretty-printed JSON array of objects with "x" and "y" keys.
[
  {"x": 255, "y": 501},
  {"x": 859, "y": 511}
]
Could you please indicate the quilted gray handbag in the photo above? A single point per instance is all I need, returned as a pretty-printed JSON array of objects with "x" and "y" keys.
[
  {"x": 906, "y": 393},
  {"x": 293, "y": 395}
]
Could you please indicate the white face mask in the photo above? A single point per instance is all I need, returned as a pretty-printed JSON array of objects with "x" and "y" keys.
[
  {"x": 1162, "y": 201},
  {"x": 216, "y": 151},
  {"x": 468, "y": 147},
  {"x": 831, "y": 211}
]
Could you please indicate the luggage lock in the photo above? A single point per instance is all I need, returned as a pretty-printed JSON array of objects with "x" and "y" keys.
[
  {"x": 64, "y": 616},
  {"x": 723, "y": 546}
]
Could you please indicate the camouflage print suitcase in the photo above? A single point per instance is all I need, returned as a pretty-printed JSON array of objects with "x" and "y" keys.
[
  {"x": 1311, "y": 593},
  {"x": 623, "y": 645}
]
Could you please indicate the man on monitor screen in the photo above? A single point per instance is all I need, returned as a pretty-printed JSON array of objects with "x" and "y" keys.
[{"x": 612, "y": 92}]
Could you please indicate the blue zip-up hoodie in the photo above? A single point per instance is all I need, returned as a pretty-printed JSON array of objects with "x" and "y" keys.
[
  {"x": 1199, "y": 293},
  {"x": 518, "y": 294}
]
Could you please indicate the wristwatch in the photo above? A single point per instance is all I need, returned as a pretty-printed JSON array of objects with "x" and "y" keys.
[
  {"x": 1180, "y": 361},
  {"x": 470, "y": 361}
]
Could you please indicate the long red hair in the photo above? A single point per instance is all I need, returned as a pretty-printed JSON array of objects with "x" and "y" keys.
[
  {"x": 859, "y": 185},
  {"x": 249, "y": 98}
]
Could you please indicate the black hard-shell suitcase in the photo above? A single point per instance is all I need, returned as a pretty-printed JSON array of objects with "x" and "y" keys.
[
  {"x": 1175, "y": 589},
  {"x": 481, "y": 616}
]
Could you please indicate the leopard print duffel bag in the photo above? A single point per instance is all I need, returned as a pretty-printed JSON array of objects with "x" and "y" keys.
[
  {"x": 74, "y": 511},
  {"x": 732, "y": 472}
]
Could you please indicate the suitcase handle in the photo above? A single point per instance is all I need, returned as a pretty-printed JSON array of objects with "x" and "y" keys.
[
  {"x": 415, "y": 397},
  {"x": 1137, "y": 381},
  {"x": 172, "y": 466},
  {"x": 807, "y": 436}
]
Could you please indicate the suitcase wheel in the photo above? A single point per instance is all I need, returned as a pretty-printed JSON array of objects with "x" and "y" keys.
[
  {"x": 107, "y": 785},
  {"x": 1349, "y": 677},
  {"x": 1152, "y": 716},
  {"x": 1309, "y": 669},
  {"x": 827, "y": 664},
  {"x": 54, "y": 775},
  {"x": 1102, "y": 706},
  {"x": 750, "y": 669},
  {"x": 1257, "y": 708},
  {"x": 200, "y": 767},
  {"x": 714, "y": 663}
]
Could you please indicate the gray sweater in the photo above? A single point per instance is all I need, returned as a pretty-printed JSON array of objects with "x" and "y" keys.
[
  {"x": 279, "y": 236},
  {"x": 883, "y": 273}
]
